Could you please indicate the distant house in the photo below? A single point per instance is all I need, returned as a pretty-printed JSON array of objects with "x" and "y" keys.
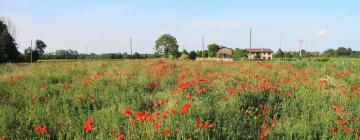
[
  {"x": 224, "y": 52},
  {"x": 259, "y": 53}
]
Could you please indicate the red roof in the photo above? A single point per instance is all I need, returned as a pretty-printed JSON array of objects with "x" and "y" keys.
[{"x": 258, "y": 50}]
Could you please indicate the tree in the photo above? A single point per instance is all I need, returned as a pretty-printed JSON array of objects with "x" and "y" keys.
[
  {"x": 166, "y": 46},
  {"x": 36, "y": 52},
  {"x": 238, "y": 53},
  {"x": 192, "y": 55},
  {"x": 212, "y": 49},
  {"x": 136, "y": 56},
  {"x": 8, "y": 49},
  {"x": 330, "y": 52},
  {"x": 279, "y": 54},
  {"x": 341, "y": 51},
  {"x": 185, "y": 52}
]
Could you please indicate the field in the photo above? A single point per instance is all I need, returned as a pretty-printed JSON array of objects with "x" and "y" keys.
[{"x": 171, "y": 99}]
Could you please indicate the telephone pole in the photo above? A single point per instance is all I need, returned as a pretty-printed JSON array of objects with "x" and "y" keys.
[
  {"x": 250, "y": 43},
  {"x": 31, "y": 52},
  {"x": 203, "y": 45},
  {"x": 300, "y": 45},
  {"x": 130, "y": 48},
  {"x": 86, "y": 51}
]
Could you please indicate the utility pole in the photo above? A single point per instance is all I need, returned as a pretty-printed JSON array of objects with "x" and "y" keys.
[
  {"x": 300, "y": 45},
  {"x": 203, "y": 45},
  {"x": 280, "y": 42},
  {"x": 31, "y": 52},
  {"x": 130, "y": 48},
  {"x": 66, "y": 54},
  {"x": 86, "y": 51},
  {"x": 250, "y": 43}
]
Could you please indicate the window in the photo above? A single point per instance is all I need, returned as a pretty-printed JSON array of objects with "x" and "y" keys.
[{"x": 269, "y": 53}]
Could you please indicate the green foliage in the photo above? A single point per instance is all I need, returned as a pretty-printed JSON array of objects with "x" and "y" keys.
[
  {"x": 8, "y": 50},
  {"x": 192, "y": 55},
  {"x": 239, "y": 53},
  {"x": 166, "y": 45},
  {"x": 212, "y": 49}
]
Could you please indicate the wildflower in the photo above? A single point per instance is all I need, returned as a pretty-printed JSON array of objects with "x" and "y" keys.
[
  {"x": 87, "y": 125},
  {"x": 263, "y": 134},
  {"x": 39, "y": 129},
  {"x": 142, "y": 117},
  {"x": 342, "y": 121},
  {"x": 121, "y": 137},
  {"x": 206, "y": 126},
  {"x": 167, "y": 132},
  {"x": 152, "y": 85},
  {"x": 198, "y": 122},
  {"x": 346, "y": 129},
  {"x": 3, "y": 138},
  {"x": 128, "y": 112},
  {"x": 174, "y": 111},
  {"x": 91, "y": 97},
  {"x": 339, "y": 109},
  {"x": 164, "y": 115},
  {"x": 199, "y": 90},
  {"x": 185, "y": 109},
  {"x": 133, "y": 121},
  {"x": 334, "y": 129},
  {"x": 177, "y": 129},
  {"x": 67, "y": 87},
  {"x": 156, "y": 125}
]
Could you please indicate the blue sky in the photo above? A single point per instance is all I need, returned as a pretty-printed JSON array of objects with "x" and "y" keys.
[{"x": 106, "y": 25}]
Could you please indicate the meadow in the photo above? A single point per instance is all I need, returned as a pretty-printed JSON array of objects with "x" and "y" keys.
[{"x": 173, "y": 99}]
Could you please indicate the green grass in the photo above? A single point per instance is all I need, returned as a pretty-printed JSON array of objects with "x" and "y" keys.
[{"x": 240, "y": 100}]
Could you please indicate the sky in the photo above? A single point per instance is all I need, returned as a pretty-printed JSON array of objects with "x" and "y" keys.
[{"x": 105, "y": 26}]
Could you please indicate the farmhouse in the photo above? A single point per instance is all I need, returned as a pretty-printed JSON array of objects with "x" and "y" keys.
[
  {"x": 224, "y": 52},
  {"x": 259, "y": 53}
]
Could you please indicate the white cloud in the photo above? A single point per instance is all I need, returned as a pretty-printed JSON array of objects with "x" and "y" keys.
[{"x": 322, "y": 32}]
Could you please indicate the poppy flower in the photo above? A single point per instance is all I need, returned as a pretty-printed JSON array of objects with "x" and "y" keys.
[
  {"x": 91, "y": 97},
  {"x": 173, "y": 111},
  {"x": 156, "y": 125},
  {"x": 87, "y": 125},
  {"x": 128, "y": 112},
  {"x": 346, "y": 129},
  {"x": 198, "y": 122},
  {"x": 133, "y": 121},
  {"x": 3, "y": 138},
  {"x": 263, "y": 134},
  {"x": 342, "y": 121},
  {"x": 39, "y": 129},
  {"x": 185, "y": 109},
  {"x": 167, "y": 132},
  {"x": 121, "y": 137},
  {"x": 177, "y": 129},
  {"x": 334, "y": 129},
  {"x": 164, "y": 116}
]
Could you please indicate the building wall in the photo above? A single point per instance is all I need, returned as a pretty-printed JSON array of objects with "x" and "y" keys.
[{"x": 264, "y": 56}]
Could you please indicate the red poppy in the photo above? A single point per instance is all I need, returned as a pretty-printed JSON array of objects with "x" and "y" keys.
[
  {"x": 167, "y": 132},
  {"x": 334, "y": 129},
  {"x": 346, "y": 129},
  {"x": 198, "y": 123},
  {"x": 177, "y": 129},
  {"x": 39, "y": 129},
  {"x": 121, "y": 137},
  {"x": 263, "y": 134},
  {"x": 342, "y": 121},
  {"x": 3, "y": 138},
  {"x": 189, "y": 139},
  {"x": 185, "y": 109},
  {"x": 91, "y": 97},
  {"x": 67, "y": 87},
  {"x": 173, "y": 111},
  {"x": 339, "y": 109},
  {"x": 128, "y": 112},
  {"x": 164, "y": 115},
  {"x": 206, "y": 126},
  {"x": 133, "y": 121},
  {"x": 156, "y": 125},
  {"x": 142, "y": 117},
  {"x": 87, "y": 125}
]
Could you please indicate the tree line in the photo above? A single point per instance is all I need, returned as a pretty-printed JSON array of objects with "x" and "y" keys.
[{"x": 166, "y": 46}]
